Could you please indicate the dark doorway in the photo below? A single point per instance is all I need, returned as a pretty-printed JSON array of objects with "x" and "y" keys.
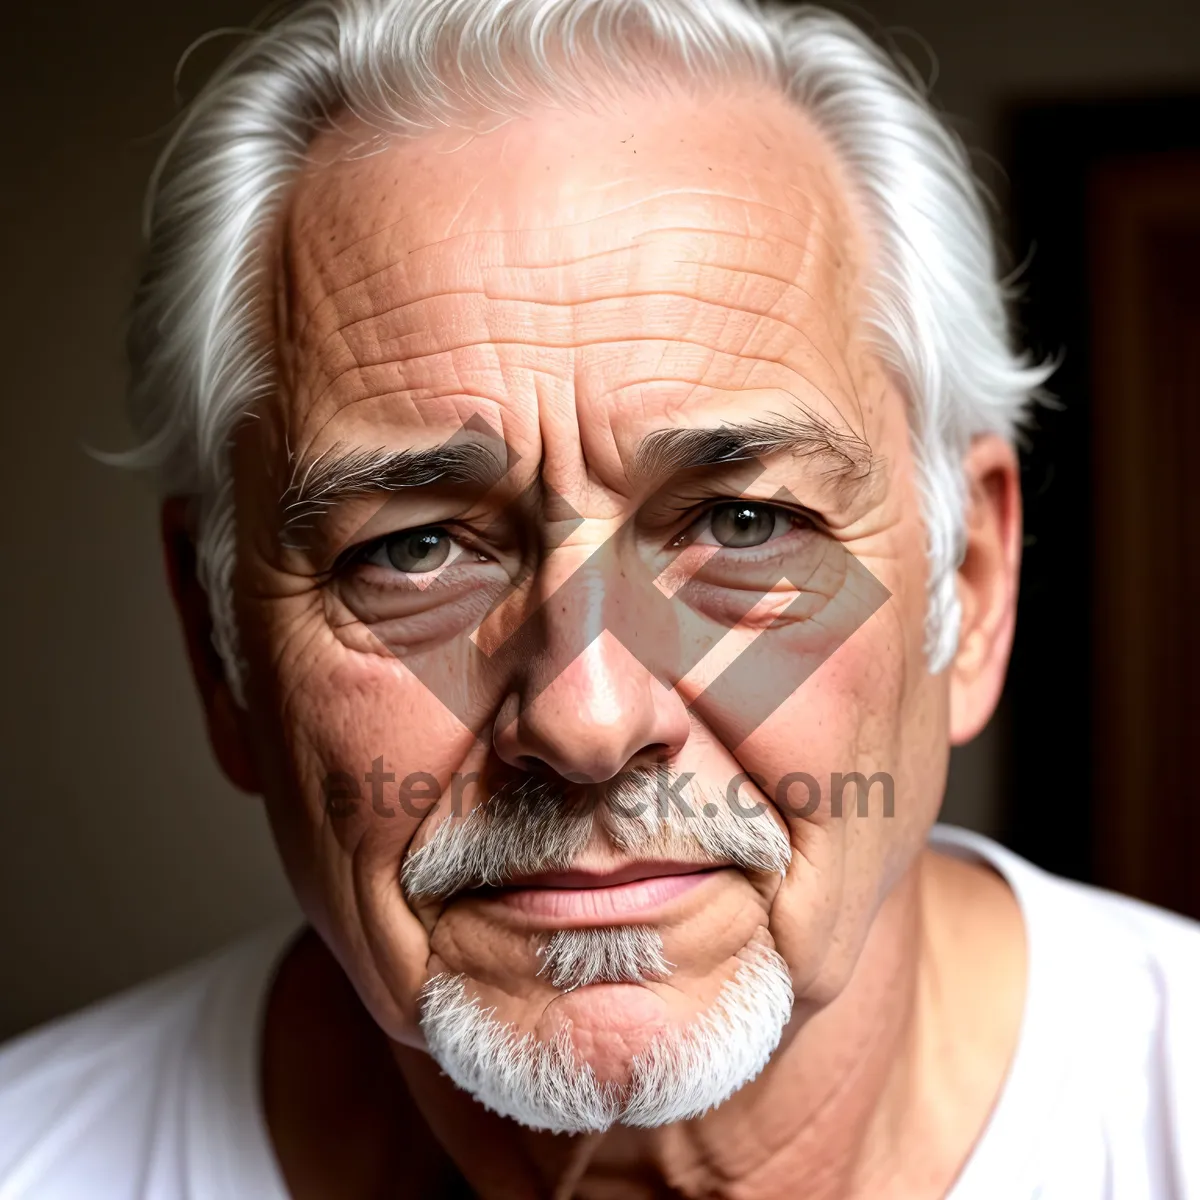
[{"x": 1104, "y": 689}]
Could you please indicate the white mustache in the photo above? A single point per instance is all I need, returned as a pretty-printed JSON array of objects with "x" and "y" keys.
[{"x": 535, "y": 826}]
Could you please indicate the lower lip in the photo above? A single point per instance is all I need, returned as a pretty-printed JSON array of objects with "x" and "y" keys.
[{"x": 600, "y": 905}]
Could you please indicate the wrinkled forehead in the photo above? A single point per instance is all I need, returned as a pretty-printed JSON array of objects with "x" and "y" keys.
[{"x": 645, "y": 264}]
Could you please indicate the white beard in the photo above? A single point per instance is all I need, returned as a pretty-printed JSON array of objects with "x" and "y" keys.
[{"x": 681, "y": 1074}]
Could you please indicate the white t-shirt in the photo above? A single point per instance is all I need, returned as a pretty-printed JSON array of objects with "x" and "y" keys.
[{"x": 154, "y": 1094}]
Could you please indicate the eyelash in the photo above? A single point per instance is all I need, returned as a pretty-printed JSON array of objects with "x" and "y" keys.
[
  {"x": 355, "y": 556},
  {"x": 798, "y": 519}
]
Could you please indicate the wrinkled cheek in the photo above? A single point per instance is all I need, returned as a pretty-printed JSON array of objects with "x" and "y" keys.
[
  {"x": 367, "y": 755},
  {"x": 498, "y": 958},
  {"x": 836, "y": 735}
]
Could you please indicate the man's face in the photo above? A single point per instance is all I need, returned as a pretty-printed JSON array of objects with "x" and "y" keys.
[{"x": 564, "y": 595}]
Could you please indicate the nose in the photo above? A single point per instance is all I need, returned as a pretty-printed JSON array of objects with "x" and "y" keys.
[
  {"x": 600, "y": 713},
  {"x": 594, "y": 691}
]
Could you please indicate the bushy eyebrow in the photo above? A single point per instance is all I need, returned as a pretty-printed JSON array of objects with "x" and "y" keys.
[
  {"x": 341, "y": 473},
  {"x": 845, "y": 459}
]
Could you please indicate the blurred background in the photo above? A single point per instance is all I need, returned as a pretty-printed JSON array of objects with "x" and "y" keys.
[{"x": 123, "y": 852}]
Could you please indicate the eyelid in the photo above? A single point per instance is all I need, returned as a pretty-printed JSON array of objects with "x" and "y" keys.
[
  {"x": 701, "y": 503},
  {"x": 362, "y": 552},
  {"x": 379, "y": 551},
  {"x": 801, "y": 515}
]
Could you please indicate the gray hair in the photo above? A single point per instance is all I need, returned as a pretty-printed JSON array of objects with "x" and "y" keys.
[
  {"x": 533, "y": 825},
  {"x": 573, "y": 958},
  {"x": 681, "y": 1074},
  {"x": 937, "y": 313}
]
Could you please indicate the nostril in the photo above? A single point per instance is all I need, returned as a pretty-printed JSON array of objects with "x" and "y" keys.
[
  {"x": 562, "y": 738},
  {"x": 659, "y": 752}
]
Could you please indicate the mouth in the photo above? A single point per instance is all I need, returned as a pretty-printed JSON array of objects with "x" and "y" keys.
[{"x": 582, "y": 897}]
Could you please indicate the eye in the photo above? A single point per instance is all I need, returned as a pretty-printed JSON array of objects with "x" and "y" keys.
[
  {"x": 414, "y": 551},
  {"x": 741, "y": 524}
]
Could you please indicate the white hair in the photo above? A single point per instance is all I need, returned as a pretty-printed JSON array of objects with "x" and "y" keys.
[
  {"x": 681, "y": 1074},
  {"x": 200, "y": 358},
  {"x": 539, "y": 825},
  {"x": 532, "y": 827},
  {"x": 573, "y": 958}
]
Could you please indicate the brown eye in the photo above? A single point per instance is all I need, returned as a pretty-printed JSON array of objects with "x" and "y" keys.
[
  {"x": 742, "y": 524},
  {"x": 417, "y": 550}
]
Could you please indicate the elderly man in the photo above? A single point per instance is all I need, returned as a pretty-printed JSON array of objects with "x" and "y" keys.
[{"x": 585, "y": 428}]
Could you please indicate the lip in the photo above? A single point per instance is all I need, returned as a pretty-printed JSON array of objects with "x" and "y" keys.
[{"x": 581, "y": 897}]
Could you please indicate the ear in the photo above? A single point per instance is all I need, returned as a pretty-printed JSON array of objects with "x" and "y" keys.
[
  {"x": 228, "y": 731},
  {"x": 987, "y": 584}
]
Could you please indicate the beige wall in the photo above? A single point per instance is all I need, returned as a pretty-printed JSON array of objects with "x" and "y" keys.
[{"x": 122, "y": 852}]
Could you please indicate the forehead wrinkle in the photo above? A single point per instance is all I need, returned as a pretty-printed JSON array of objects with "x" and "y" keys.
[
  {"x": 393, "y": 349},
  {"x": 529, "y": 244},
  {"x": 396, "y": 355},
  {"x": 620, "y": 290},
  {"x": 622, "y": 295},
  {"x": 628, "y": 247},
  {"x": 812, "y": 174},
  {"x": 658, "y": 195},
  {"x": 491, "y": 292},
  {"x": 694, "y": 386},
  {"x": 417, "y": 394},
  {"x": 753, "y": 222},
  {"x": 395, "y": 363},
  {"x": 340, "y": 298},
  {"x": 597, "y": 293},
  {"x": 398, "y": 359}
]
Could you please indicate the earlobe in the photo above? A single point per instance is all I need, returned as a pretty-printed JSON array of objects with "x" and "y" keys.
[
  {"x": 226, "y": 721},
  {"x": 987, "y": 584}
]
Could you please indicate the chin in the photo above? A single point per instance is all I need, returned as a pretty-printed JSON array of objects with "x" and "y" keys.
[{"x": 604, "y": 1054}]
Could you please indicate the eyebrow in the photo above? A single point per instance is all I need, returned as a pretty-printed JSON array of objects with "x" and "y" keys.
[
  {"x": 845, "y": 460},
  {"x": 342, "y": 473}
]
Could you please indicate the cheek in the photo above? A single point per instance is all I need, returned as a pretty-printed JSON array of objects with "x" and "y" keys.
[
  {"x": 360, "y": 756},
  {"x": 853, "y": 765}
]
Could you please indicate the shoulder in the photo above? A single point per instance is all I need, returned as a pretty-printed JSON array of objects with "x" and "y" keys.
[
  {"x": 1104, "y": 1093},
  {"x": 1096, "y": 935},
  {"x": 1129, "y": 974},
  {"x": 89, "y": 1103}
]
